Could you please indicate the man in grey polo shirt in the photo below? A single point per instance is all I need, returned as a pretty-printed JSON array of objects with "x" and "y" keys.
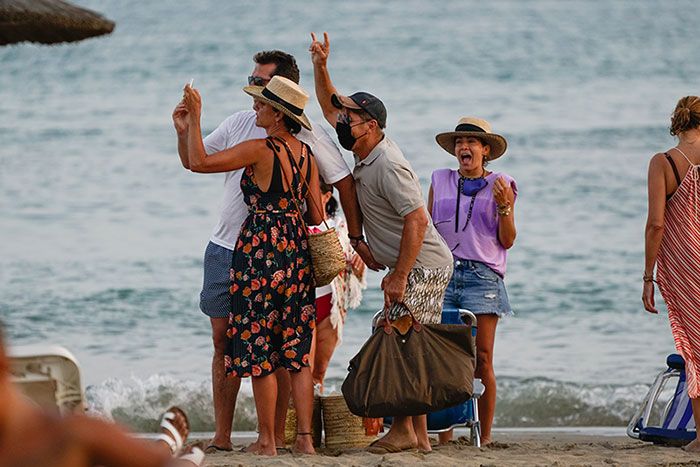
[{"x": 396, "y": 221}]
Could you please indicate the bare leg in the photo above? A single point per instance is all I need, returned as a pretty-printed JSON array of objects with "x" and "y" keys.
[
  {"x": 420, "y": 426},
  {"x": 694, "y": 445},
  {"x": 303, "y": 395},
  {"x": 445, "y": 437},
  {"x": 284, "y": 388},
  {"x": 484, "y": 370},
  {"x": 326, "y": 341},
  {"x": 265, "y": 393},
  {"x": 224, "y": 390},
  {"x": 312, "y": 353}
]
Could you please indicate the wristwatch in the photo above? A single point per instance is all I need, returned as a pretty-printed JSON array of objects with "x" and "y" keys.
[{"x": 354, "y": 241}]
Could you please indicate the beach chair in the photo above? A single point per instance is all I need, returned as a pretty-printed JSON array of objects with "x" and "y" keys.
[
  {"x": 49, "y": 375},
  {"x": 665, "y": 416},
  {"x": 465, "y": 414}
]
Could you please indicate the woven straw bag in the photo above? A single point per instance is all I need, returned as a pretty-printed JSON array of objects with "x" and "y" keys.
[
  {"x": 343, "y": 429},
  {"x": 290, "y": 426},
  {"x": 327, "y": 257}
]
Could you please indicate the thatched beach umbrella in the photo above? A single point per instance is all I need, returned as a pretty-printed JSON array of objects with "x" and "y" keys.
[{"x": 48, "y": 22}]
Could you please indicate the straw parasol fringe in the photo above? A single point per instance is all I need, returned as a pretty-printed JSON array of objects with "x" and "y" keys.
[{"x": 48, "y": 22}]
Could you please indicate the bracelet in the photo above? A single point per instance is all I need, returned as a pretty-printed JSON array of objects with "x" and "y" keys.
[
  {"x": 504, "y": 210},
  {"x": 357, "y": 238},
  {"x": 648, "y": 277}
]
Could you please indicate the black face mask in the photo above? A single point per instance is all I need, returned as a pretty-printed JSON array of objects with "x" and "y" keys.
[{"x": 345, "y": 137}]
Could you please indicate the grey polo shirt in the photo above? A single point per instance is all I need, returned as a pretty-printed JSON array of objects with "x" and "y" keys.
[{"x": 388, "y": 190}]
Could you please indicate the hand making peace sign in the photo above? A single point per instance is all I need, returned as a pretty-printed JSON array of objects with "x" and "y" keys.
[{"x": 319, "y": 52}]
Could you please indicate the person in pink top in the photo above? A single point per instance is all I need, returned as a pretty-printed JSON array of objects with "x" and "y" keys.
[
  {"x": 474, "y": 211},
  {"x": 672, "y": 242}
]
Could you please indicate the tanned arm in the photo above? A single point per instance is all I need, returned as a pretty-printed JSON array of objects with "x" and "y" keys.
[
  {"x": 654, "y": 230},
  {"x": 414, "y": 228},
  {"x": 322, "y": 80}
]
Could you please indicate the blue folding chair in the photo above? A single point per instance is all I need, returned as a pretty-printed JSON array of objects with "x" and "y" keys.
[
  {"x": 465, "y": 414},
  {"x": 665, "y": 422}
]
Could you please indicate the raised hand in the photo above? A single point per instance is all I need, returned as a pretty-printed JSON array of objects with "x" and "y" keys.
[
  {"x": 193, "y": 103},
  {"x": 319, "y": 52},
  {"x": 180, "y": 120},
  {"x": 503, "y": 193}
]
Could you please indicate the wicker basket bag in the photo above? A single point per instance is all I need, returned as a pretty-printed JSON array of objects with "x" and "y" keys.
[
  {"x": 343, "y": 429},
  {"x": 290, "y": 426},
  {"x": 327, "y": 257}
]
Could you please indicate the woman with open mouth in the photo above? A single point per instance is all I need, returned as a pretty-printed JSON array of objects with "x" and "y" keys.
[{"x": 473, "y": 209}]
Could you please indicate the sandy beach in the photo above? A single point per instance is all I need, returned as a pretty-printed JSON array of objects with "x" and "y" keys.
[{"x": 589, "y": 447}]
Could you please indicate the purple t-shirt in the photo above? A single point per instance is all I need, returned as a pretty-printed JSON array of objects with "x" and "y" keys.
[{"x": 479, "y": 241}]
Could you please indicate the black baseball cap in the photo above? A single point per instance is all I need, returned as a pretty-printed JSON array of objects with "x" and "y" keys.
[{"x": 364, "y": 101}]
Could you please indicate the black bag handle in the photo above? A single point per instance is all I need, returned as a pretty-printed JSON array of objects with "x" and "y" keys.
[{"x": 303, "y": 179}]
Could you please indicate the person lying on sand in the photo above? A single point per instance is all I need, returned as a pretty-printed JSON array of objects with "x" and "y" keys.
[{"x": 32, "y": 437}]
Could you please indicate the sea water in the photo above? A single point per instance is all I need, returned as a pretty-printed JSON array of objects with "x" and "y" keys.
[{"x": 103, "y": 231}]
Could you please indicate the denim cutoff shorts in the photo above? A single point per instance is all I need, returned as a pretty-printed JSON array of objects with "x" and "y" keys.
[
  {"x": 215, "y": 298},
  {"x": 477, "y": 288}
]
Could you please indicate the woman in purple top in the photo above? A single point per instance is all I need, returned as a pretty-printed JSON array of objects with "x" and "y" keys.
[{"x": 473, "y": 209}]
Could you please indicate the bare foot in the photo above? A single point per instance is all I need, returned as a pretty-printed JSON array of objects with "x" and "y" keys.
[
  {"x": 424, "y": 445},
  {"x": 401, "y": 442},
  {"x": 693, "y": 446},
  {"x": 485, "y": 442},
  {"x": 218, "y": 445},
  {"x": 304, "y": 444},
  {"x": 261, "y": 449}
]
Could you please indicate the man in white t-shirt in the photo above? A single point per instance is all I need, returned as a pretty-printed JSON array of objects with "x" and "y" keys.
[{"x": 215, "y": 297}]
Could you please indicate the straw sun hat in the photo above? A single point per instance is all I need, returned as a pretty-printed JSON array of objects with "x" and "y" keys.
[
  {"x": 478, "y": 128},
  {"x": 285, "y": 95}
]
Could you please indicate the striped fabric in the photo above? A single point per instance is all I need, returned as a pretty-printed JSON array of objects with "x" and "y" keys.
[{"x": 678, "y": 273}]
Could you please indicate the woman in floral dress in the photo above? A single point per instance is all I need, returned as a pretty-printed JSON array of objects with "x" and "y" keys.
[{"x": 272, "y": 293}]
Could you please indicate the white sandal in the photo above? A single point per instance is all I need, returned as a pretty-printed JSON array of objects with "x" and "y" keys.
[
  {"x": 173, "y": 438},
  {"x": 196, "y": 456}
]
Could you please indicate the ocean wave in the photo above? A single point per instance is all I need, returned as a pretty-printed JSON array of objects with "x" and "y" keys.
[
  {"x": 542, "y": 402},
  {"x": 139, "y": 403},
  {"x": 534, "y": 402}
]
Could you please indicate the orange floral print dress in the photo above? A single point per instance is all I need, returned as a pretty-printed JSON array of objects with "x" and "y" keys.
[{"x": 272, "y": 291}]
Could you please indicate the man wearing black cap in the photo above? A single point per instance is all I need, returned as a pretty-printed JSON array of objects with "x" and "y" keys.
[{"x": 396, "y": 221}]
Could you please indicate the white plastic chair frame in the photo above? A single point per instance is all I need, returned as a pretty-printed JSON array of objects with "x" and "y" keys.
[{"x": 645, "y": 409}]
